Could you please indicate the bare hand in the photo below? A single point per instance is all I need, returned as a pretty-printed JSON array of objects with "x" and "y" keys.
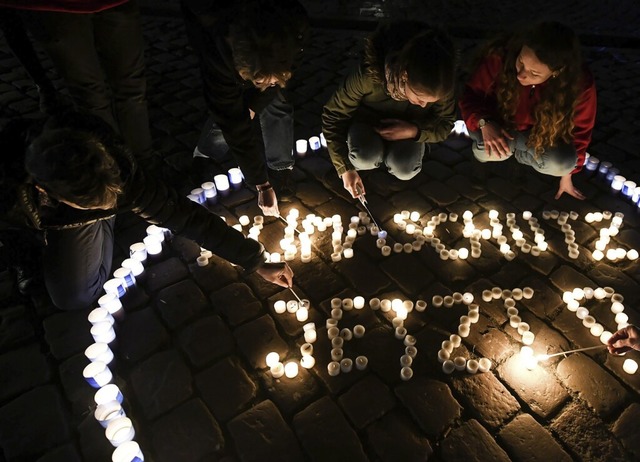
[
  {"x": 396, "y": 129},
  {"x": 277, "y": 273},
  {"x": 627, "y": 338},
  {"x": 566, "y": 186},
  {"x": 353, "y": 183},
  {"x": 251, "y": 114},
  {"x": 268, "y": 202},
  {"x": 495, "y": 140}
]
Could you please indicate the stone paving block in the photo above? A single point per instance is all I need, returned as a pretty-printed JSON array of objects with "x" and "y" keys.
[
  {"x": 490, "y": 260},
  {"x": 180, "y": 302},
  {"x": 547, "y": 339},
  {"x": 486, "y": 397},
  {"x": 571, "y": 327},
  {"x": 66, "y": 453},
  {"x": 451, "y": 272},
  {"x": 188, "y": 432},
  {"x": 206, "y": 340},
  {"x": 67, "y": 333},
  {"x": 226, "y": 388},
  {"x": 383, "y": 351},
  {"x": 439, "y": 193},
  {"x": 605, "y": 276},
  {"x": 488, "y": 340},
  {"x": 473, "y": 443},
  {"x": 525, "y": 439},
  {"x": 461, "y": 184},
  {"x": 161, "y": 382},
  {"x": 567, "y": 279},
  {"x": 510, "y": 274},
  {"x": 33, "y": 423},
  {"x": 257, "y": 338},
  {"x": 312, "y": 194},
  {"x": 262, "y": 434},
  {"x": 139, "y": 335},
  {"x": 236, "y": 303},
  {"x": 292, "y": 395},
  {"x": 366, "y": 401},
  {"x": 410, "y": 282},
  {"x": 407, "y": 200},
  {"x": 324, "y": 433},
  {"x": 15, "y": 327},
  {"x": 626, "y": 429},
  {"x": 92, "y": 441},
  {"x": 586, "y": 435},
  {"x": 368, "y": 283},
  {"x": 76, "y": 389},
  {"x": 396, "y": 437},
  {"x": 165, "y": 273},
  {"x": 598, "y": 388},
  {"x": 430, "y": 403},
  {"x": 538, "y": 388},
  {"x": 16, "y": 378},
  {"x": 545, "y": 303},
  {"x": 218, "y": 273}
]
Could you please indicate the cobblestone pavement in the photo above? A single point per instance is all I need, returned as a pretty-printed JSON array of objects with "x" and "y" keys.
[{"x": 190, "y": 355}]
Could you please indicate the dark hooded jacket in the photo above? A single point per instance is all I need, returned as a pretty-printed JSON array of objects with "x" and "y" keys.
[{"x": 23, "y": 207}]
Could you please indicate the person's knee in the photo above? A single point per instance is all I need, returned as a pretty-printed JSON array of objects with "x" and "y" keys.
[
  {"x": 69, "y": 298},
  {"x": 561, "y": 160},
  {"x": 404, "y": 171}
]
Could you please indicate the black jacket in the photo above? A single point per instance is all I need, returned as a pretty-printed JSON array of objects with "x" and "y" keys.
[{"x": 21, "y": 205}]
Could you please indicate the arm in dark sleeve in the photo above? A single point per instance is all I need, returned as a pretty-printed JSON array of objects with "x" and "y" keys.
[
  {"x": 478, "y": 99},
  {"x": 438, "y": 124},
  {"x": 157, "y": 203},
  {"x": 224, "y": 95},
  {"x": 337, "y": 115},
  {"x": 584, "y": 120}
]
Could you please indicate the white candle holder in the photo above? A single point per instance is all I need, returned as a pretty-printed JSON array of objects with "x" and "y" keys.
[
  {"x": 119, "y": 431},
  {"x": 97, "y": 374},
  {"x": 128, "y": 452}
]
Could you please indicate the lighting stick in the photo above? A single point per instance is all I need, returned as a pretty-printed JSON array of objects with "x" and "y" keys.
[
  {"x": 282, "y": 218},
  {"x": 363, "y": 201},
  {"x": 545, "y": 357},
  {"x": 295, "y": 294}
]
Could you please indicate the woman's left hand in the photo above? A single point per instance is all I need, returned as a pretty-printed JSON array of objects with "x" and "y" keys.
[
  {"x": 396, "y": 129},
  {"x": 566, "y": 186}
]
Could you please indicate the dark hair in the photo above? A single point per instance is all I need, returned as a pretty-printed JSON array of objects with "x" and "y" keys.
[
  {"x": 424, "y": 52},
  {"x": 557, "y": 46},
  {"x": 74, "y": 166},
  {"x": 266, "y": 38}
]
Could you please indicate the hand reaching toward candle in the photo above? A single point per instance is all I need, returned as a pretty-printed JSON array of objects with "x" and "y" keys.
[
  {"x": 396, "y": 129},
  {"x": 566, "y": 186},
  {"x": 277, "y": 273},
  {"x": 268, "y": 201},
  {"x": 627, "y": 338},
  {"x": 353, "y": 183}
]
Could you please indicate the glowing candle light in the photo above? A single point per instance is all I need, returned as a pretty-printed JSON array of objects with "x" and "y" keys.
[
  {"x": 361, "y": 362},
  {"x": 103, "y": 332},
  {"x": 406, "y": 373},
  {"x": 301, "y": 146},
  {"x": 307, "y": 362},
  {"x": 272, "y": 359},
  {"x": 291, "y": 369},
  {"x": 120, "y": 430},
  {"x": 277, "y": 370},
  {"x": 97, "y": 374},
  {"x": 630, "y": 366},
  {"x": 107, "y": 393},
  {"x": 314, "y": 143},
  {"x": 99, "y": 352}
]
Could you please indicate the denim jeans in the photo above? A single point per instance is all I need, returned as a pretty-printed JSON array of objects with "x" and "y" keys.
[
  {"x": 559, "y": 160},
  {"x": 100, "y": 56},
  {"x": 276, "y": 125},
  {"x": 77, "y": 262},
  {"x": 367, "y": 150}
]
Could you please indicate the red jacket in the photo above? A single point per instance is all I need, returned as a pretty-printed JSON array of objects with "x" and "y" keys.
[
  {"x": 63, "y": 6},
  {"x": 479, "y": 101}
]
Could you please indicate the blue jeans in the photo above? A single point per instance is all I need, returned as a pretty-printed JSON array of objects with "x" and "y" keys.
[
  {"x": 77, "y": 262},
  {"x": 558, "y": 160},
  {"x": 276, "y": 124},
  {"x": 367, "y": 150}
]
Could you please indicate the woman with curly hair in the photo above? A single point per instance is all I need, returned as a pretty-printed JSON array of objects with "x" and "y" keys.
[
  {"x": 531, "y": 98},
  {"x": 398, "y": 99}
]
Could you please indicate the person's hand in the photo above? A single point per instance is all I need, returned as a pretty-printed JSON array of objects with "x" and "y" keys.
[
  {"x": 252, "y": 114},
  {"x": 396, "y": 129},
  {"x": 268, "y": 201},
  {"x": 566, "y": 186},
  {"x": 277, "y": 273},
  {"x": 627, "y": 338},
  {"x": 495, "y": 140},
  {"x": 353, "y": 183}
]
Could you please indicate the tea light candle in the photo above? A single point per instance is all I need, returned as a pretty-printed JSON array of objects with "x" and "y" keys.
[
  {"x": 277, "y": 370},
  {"x": 272, "y": 359},
  {"x": 460, "y": 363},
  {"x": 630, "y": 366},
  {"x": 301, "y": 146},
  {"x": 437, "y": 301},
  {"x": 106, "y": 412},
  {"x": 358, "y": 331},
  {"x": 588, "y": 321},
  {"x": 103, "y": 332},
  {"x": 400, "y": 332},
  {"x": 361, "y": 362},
  {"x": 448, "y": 367},
  {"x": 333, "y": 368},
  {"x": 406, "y": 373},
  {"x": 605, "y": 336},
  {"x": 302, "y": 314},
  {"x": 385, "y": 305},
  {"x": 514, "y": 321},
  {"x": 527, "y": 293},
  {"x": 291, "y": 369},
  {"x": 100, "y": 314},
  {"x": 472, "y": 366},
  {"x": 119, "y": 431},
  {"x": 337, "y": 342},
  {"x": 596, "y": 330},
  {"x": 484, "y": 365},
  {"x": 420, "y": 306},
  {"x": 97, "y": 374},
  {"x": 99, "y": 352},
  {"x": 222, "y": 184},
  {"x": 346, "y": 365},
  {"x": 464, "y": 330},
  {"x": 307, "y": 362},
  {"x": 129, "y": 451},
  {"x": 528, "y": 337}
]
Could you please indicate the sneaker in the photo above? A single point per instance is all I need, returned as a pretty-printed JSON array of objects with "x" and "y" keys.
[{"x": 283, "y": 183}]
